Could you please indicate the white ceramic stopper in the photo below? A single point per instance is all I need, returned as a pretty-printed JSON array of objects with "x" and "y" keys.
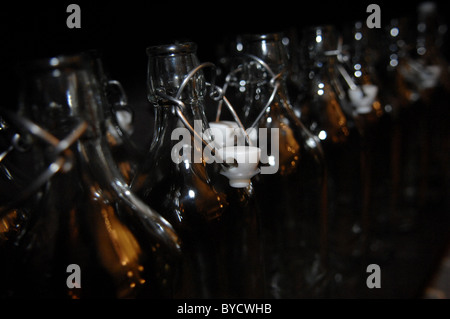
[
  {"x": 430, "y": 76},
  {"x": 247, "y": 159},
  {"x": 363, "y": 97}
]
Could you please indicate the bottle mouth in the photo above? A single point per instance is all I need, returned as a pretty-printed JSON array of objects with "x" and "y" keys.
[
  {"x": 321, "y": 28},
  {"x": 59, "y": 61},
  {"x": 273, "y": 36},
  {"x": 319, "y": 39},
  {"x": 174, "y": 48},
  {"x": 319, "y": 33}
]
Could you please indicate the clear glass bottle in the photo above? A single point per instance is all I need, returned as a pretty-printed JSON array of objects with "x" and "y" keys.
[
  {"x": 85, "y": 214},
  {"x": 291, "y": 193},
  {"x": 119, "y": 120},
  {"x": 328, "y": 113},
  {"x": 217, "y": 229}
]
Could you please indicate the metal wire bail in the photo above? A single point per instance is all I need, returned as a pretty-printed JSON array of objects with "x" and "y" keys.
[
  {"x": 216, "y": 93},
  {"x": 63, "y": 156},
  {"x": 274, "y": 82}
]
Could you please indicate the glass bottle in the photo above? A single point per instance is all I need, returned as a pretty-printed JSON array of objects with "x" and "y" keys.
[
  {"x": 328, "y": 113},
  {"x": 217, "y": 229},
  {"x": 87, "y": 236},
  {"x": 118, "y": 120},
  {"x": 421, "y": 82},
  {"x": 291, "y": 186},
  {"x": 372, "y": 114},
  {"x": 431, "y": 77},
  {"x": 396, "y": 94}
]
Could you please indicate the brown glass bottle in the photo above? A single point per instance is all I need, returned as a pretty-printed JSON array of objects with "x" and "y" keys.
[{"x": 210, "y": 219}]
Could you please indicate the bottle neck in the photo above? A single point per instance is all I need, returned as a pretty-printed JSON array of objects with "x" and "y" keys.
[
  {"x": 59, "y": 93},
  {"x": 265, "y": 69},
  {"x": 268, "y": 48},
  {"x": 176, "y": 88},
  {"x": 168, "y": 66}
]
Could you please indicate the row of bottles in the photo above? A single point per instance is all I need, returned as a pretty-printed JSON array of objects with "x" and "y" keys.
[
  {"x": 177, "y": 229},
  {"x": 349, "y": 145}
]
